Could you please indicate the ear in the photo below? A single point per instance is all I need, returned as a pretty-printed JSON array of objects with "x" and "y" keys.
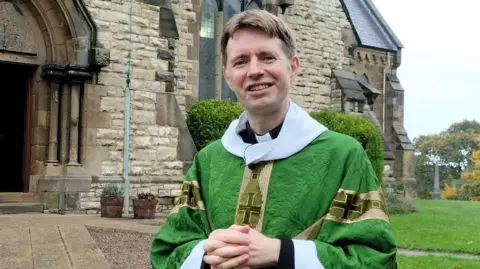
[
  {"x": 226, "y": 75},
  {"x": 294, "y": 66}
]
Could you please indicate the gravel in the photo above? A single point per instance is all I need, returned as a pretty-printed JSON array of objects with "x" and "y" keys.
[{"x": 124, "y": 249}]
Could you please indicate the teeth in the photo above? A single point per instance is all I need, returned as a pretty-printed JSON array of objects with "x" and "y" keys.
[{"x": 259, "y": 87}]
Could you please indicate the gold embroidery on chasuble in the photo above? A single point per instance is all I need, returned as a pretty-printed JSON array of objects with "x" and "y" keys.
[
  {"x": 253, "y": 196},
  {"x": 351, "y": 206},
  {"x": 189, "y": 197}
]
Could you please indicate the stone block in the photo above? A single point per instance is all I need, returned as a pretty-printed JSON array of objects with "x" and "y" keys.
[
  {"x": 64, "y": 179},
  {"x": 143, "y": 117},
  {"x": 72, "y": 200}
]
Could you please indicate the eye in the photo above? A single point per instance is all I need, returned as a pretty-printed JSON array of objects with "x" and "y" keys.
[
  {"x": 239, "y": 62},
  {"x": 268, "y": 58}
]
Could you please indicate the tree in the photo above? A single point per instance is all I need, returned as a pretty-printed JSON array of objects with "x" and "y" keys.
[
  {"x": 472, "y": 187},
  {"x": 465, "y": 126},
  {"x": 450, "y": 150}
]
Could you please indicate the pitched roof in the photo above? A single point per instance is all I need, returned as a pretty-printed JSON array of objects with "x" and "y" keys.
[{"x": 369, "y": 26}]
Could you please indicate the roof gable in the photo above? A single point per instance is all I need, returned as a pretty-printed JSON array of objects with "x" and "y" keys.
[{"x": 369, "y": 26}]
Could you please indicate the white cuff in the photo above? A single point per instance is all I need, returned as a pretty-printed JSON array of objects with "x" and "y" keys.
[
  {"x": 195, "y": 259},
  {"x": 306, "y": 255}
]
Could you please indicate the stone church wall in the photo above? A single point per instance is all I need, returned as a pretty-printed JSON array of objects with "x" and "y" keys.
[
  {"x": 319, "y": 25},
  {"x": 156, "y": 62}
]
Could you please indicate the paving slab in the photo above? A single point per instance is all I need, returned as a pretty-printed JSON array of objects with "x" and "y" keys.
[
  {"x": 15, "y": 249},
  {"x": 46, "y": 246}
]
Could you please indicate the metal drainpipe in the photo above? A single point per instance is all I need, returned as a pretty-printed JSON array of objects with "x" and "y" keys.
[
  {"x": 126, "y": 150},
  {"x": 126, "y": 131}
]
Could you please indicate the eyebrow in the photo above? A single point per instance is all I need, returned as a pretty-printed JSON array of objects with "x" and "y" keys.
[{"x": 262, "y": 52}]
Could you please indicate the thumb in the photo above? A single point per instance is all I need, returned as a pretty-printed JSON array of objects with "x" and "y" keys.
[{"x": 240, "y": 228}]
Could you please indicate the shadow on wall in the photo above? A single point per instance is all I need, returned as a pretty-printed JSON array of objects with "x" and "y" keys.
[{"x": 169, "y": 114}]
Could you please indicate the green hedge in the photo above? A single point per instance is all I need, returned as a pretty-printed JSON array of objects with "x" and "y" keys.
[{"x": 207, "y": 121}]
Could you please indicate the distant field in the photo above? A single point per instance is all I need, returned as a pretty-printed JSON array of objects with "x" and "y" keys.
[{"x": 451, "y": 226}]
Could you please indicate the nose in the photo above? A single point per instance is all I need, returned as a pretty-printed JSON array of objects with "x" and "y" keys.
[{"x": 255, "y": 69}]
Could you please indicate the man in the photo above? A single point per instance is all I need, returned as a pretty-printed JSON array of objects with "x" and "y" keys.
[{"x": 278, "y": 190}]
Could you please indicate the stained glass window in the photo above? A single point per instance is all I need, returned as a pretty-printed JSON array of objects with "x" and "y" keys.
[
  {"x": 208, "y": 18},
  {"x": 207, "y": 67},
  {"x": 230, "y": 8}
]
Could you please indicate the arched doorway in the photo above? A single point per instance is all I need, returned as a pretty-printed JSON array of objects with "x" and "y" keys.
[{"x": 48, "y": 50}]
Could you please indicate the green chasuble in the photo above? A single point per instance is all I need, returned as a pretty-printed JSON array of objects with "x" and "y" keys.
[{"x": 326, "y": 197}]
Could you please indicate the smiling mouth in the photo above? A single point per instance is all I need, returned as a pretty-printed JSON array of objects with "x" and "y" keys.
[{"x": 259, "y": 87}]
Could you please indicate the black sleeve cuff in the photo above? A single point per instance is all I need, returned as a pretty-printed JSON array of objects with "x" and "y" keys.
[
  {"x": 204, "y": 265},
  {"x": 286, "y": 259}
]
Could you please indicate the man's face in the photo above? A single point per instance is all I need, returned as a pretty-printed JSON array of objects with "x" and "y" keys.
[{"x": 258, "y": 70}]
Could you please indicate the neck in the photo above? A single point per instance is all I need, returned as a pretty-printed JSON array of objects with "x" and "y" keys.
[{"x": 263, "y": 123}]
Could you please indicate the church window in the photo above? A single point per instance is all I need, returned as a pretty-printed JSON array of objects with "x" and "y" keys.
[
  {"x": 207, "y": 58},
  {"x": 230, "y": 8},
  {"x": 212, "y": 84}
]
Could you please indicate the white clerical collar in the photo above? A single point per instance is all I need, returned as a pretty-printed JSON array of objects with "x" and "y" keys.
[
  {"x": 298, "y": 130},
  {"x": 263, "y": 138}
]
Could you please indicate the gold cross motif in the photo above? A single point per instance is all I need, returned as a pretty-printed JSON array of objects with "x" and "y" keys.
[
  {"x": 250, "y": 207},
  {"x": 351, "y": 206},
  {"x": 251, "y": 210},
  {"x": 187, "y": 197},
  {"x": 347, "y": 206}
]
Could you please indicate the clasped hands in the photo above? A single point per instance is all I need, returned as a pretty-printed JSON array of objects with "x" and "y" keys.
[{"x": 240, "y": 247}]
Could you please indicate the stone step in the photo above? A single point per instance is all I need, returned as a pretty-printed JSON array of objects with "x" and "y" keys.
[
  {"x": 18, "y": 197},
  {"x": 18, "y": 208}
]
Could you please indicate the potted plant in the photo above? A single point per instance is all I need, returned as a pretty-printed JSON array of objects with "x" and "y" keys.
[
  {"x": 145, "y": 206},
  {"x": 111, "y": 201}
]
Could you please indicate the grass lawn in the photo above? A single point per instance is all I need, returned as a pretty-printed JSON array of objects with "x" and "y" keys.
[
  {"x": 434, "y": 262},
  {"x": 441, "y": 225}
]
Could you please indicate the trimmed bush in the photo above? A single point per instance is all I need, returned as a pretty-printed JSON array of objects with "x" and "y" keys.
[
  {"x": 359, "y": 128},
  {"x": 398, "y": 205},
  {"x": 208, "y": 120}
]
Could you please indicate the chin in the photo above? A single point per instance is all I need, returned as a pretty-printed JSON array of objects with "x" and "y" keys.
[{"x": 260, "y": 106}]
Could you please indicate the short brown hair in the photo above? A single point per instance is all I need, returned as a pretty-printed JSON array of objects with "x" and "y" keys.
[{"x": 264, "y": 21}]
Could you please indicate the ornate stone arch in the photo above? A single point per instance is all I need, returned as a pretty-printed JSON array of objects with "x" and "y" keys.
[
  {"x": 68, "y": 33},
  {"x": 57, "y": 40}
]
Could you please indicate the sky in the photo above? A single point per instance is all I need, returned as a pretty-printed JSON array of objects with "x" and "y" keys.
[{"x": 440, "y": 61}]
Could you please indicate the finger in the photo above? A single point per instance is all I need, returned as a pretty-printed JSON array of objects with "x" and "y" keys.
[
  {"x": 214, "y": 260},
  {"x": 240, "y": 228},
  {"x": 212, "y": 244},
  {"x": 234, "y": 262},
  {"x": 230, "y": 251},
  {"x": 231, "y": 237}
]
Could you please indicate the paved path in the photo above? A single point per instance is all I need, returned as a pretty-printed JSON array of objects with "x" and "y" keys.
[
  {"x": 408, "y": 252},
  {"x": 47, "y": 241}
]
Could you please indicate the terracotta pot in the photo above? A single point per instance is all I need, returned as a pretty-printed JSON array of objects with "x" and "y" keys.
[
  {"x": 144, "y": 209},
  {"x": 111, "y": 207}
]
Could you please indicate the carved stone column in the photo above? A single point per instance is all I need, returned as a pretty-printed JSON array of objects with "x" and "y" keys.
[
  {"x": 55, "y": 75},
  {"x": 74, "y": 119},
  {"x": 61, "y": 184},
  {"x": 77, "y": 75},
  {"x": 64, "y": 128}
]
